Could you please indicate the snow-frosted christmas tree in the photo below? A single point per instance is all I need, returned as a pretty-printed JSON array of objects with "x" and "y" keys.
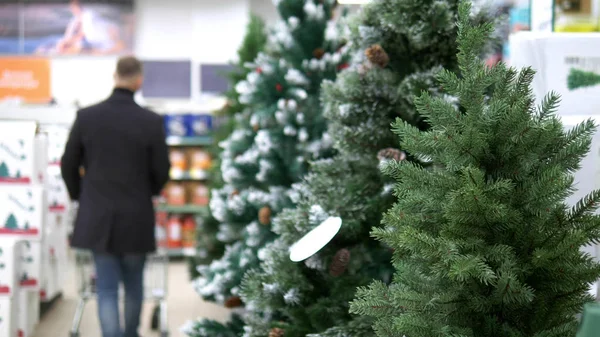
[
  {"x": 277, "y": 137},
  {"x": 398, "y": 46},
  {"x": 209, "y": 247}
]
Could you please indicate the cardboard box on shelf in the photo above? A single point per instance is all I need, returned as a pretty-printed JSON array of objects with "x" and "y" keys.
[
  {"x": 30, "y": 260},
  {"x": 58, "y": 197},
  {"x": 24, "y": 211},
  {"x": 57, "y": 139},
  {"x": 54, "y": 262},
  {"x": 9, "y": 266},
  {"x": 8, "y": 317},
  {"x": 23, "y": 153},
  {"x": 568, "y": 64},
  {"x": 28, "y": 312}
]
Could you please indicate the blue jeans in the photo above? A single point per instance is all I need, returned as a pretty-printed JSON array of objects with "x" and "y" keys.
[{"x": 111, "y": 270}]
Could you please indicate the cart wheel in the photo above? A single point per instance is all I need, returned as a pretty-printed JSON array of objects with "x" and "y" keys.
[
  {"x": 74, "y": 334},
  {"x": 155, "y": 319}
]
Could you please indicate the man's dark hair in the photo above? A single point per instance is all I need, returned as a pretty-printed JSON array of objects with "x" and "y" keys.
[{"x": 128, "y": 67}]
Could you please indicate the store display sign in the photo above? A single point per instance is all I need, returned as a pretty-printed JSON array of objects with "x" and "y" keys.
[
  {"x": 26, "y": 79},
  {"x": 167, "y": 79},
  {"x": 69, "y": 27},
  {"x": 213, "y": 77}
]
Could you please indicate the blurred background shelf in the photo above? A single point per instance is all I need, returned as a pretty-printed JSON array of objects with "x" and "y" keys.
[
  {"x": 189, "y": 141},
  {"x": 193, "y": 175},
  {"x": 183, "y": 209},
  {"x": 177, "y": 252}
]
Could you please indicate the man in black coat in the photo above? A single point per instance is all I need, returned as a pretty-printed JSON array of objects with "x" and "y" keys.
[{"x": 121, "y": 148}]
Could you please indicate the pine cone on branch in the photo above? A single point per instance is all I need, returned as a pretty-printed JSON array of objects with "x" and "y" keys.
[
  {"x": 233, "y": 302},
  {"x": 318, "y": 53},
  {"x": 391, "y": 153},
  {"x": 339, "y": 263},
  {"x": 377, "y": 55},
  {"x": 277, "y": 332},
  {"x": 264, "y": 215}
]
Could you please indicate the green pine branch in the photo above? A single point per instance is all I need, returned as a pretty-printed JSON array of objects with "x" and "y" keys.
[{"x": 484, "y": 244}]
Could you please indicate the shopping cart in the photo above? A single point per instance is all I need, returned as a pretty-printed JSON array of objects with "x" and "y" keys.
[{"x": 155, "y": 288}]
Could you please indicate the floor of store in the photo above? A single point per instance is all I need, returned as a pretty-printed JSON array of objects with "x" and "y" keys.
[{"x": 183, "y": 302}]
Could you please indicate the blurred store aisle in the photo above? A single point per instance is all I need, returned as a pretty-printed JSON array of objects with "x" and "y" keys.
[{"x": 184, "y": 304}]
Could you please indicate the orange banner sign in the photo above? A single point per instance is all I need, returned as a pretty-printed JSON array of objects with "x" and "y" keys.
[{"x": 25, "y": 78}]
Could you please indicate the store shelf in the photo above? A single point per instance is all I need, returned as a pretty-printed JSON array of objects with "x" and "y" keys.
[
  {"x": 184, "y": 209},
  {"x": 189, "y": 141},
  {"x": 175, "y": 252},
  {"x": 192, "y": 175}
]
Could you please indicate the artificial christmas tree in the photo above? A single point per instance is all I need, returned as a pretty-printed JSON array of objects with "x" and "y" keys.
[
  {"x": 274, "y": 141},
  {"x": 484, "y": 242},
  {"x": 209, "y": 247},
  {"x": 398, "y": 46}
]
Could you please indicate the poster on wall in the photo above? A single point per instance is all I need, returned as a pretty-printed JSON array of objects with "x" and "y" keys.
[
  {"x": 26, "y": 79},
  {"x": 70, "y": 27}
]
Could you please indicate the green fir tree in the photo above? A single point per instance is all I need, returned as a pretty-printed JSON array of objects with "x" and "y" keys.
[
  {"x": 4, "y": 173},
  {"x": 11, "y": 222},
  {"x": 484, "y": 242},
  {"x": 209, "y": 247},
  {"x": 398, "y": 46},
  {"x": 578, "y": 79}
]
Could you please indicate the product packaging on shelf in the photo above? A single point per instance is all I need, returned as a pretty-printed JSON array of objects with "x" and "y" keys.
[
  {"x": 198, "y": 194},
  {"x": 28, "y": 312},
  {"x": 200, "y": 162},
  {"x": 175, "y": 194},
  {"x": 57, "y": 195},
  {"x": 30, "y": 261},
  {"x": 174, "y": 228},
  {"x": 162, "y": 218},
  {"x": 8, "y": 316},
  {"x": 198, "y": 124},
  {"x": 10, "y": 254},
  {"x": 179, "y": 163},
  {"x": 57, "y": 139},
  {"x": 24, "y": 212},
  {"x": 188, "y": 125},
  {"x": 576, "y": 16},
  {"x": 188, "y": 232},
  {"x": 175, "y": 126},
  {"x": 568, "y": 64},
  {"x": 23, "y": 153},
  {"x": 54, "y": 257}
]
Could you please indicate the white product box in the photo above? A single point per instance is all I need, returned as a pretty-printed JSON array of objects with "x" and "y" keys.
[
  {"x": 30, "y": 272},
  {"x": 23, "y": 153},
  {"x": 57, "y": 139},
  {"x": 28, "y": 312},
  {"x": 8, "y": 317},
  {"x": 22, "y": 211},
  {"x": 568, "y": 64},
  {"x": 54, "y": 264},
  {"x": 9, "y": 266},
  {"x": 58, "y": 197}
]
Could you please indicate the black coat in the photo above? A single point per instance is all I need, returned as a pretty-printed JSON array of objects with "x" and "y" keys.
[{"x": 122, "y": 148}]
